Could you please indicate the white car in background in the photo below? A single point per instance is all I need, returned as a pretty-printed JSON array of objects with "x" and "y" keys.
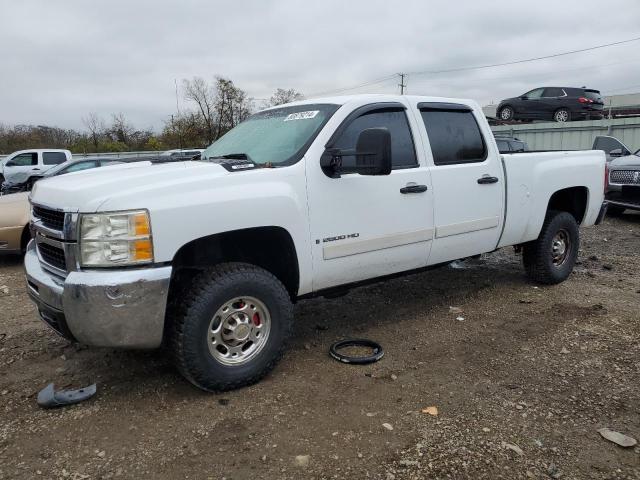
[{"x": 31, "y": 162}]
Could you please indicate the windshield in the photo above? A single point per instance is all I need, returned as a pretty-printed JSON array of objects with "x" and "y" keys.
[
  {"x": 278, "y": 137},
  {"x": 54, "y": 170}
]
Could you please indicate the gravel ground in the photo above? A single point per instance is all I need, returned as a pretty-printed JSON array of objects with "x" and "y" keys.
[{"x": 521, "y": 385}]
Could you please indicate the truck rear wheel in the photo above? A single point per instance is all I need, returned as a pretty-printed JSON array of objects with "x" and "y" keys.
[
  {"x": 231, "y": 327},
  {"x": 550, "y": 259}
]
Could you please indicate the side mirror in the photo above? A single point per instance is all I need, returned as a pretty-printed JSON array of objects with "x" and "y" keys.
[
  {"x": 616, "y": 153},
  {"x": 372, "y": 155},
  {"x": 524, "y": 97}
]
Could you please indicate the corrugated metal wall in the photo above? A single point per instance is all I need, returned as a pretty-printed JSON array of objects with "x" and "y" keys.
[{"x": 573, "y": 135}]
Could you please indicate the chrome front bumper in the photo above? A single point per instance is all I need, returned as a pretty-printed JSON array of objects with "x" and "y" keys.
[{"x": 105, "y": 308}]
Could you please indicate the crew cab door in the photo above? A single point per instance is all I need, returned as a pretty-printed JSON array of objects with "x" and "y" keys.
[
  {"x": 467, "y": 178},
  {"x": 365, "y": 226},
  {"x": 24, "y": 162}
]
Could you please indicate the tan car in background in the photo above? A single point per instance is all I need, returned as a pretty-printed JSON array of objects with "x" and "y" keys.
[{"x": 14, "y": 222}]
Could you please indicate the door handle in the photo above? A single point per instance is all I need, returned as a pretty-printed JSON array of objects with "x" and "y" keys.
[
  {"x": 414, "y": 189},
  {"x": 486, "y": 179}
]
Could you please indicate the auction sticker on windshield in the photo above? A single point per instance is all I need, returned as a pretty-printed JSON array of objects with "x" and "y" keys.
[{"x": 301, "y": 115}]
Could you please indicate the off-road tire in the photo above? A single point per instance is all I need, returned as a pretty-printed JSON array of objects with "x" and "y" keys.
[
  {"x": 188, "y": 334},
  {"x": 537, "y": 255}
]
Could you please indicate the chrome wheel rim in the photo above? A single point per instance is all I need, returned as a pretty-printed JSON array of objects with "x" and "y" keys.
[
  {"x": 560, "y": 247},
  {"x": 505, "y": 114},
  {"x": 562, "y": 116},
  {"x": 239, "y": 330}
]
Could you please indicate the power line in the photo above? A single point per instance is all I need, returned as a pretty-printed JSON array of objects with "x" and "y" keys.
[
  {"x": 365, "y": 84},
  {"x": 533, "y": 59},
  {"x": 477, "y": 67}
]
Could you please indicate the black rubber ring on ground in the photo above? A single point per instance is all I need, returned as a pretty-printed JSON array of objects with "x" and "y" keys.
[{"x": 377, "y": 354}]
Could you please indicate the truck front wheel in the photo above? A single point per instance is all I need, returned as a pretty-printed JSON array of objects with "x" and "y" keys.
[
  {"x": 550, "y": 259},
  {"x": 231, "y": 327}
]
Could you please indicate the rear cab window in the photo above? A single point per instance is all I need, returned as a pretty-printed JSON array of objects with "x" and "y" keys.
[
  {"x": 53, "y": 158},
  {"x": 454, "y": 134}
]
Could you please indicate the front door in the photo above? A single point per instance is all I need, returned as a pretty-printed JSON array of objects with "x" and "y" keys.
[
  {"x": 369, "y": 226},
  {"x": 21, "y": 163},
  {"x": 468, "y": 182}
]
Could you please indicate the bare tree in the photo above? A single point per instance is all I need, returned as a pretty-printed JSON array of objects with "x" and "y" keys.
[
  {"x": 281, "y": 96},
  {"x": 121, "y": 130},
  {"x": 96, "y": 128},
  {"x": 198, "y": 91}
]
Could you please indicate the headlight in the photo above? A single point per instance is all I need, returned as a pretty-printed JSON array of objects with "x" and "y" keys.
[{"x": 113, "y": 239}]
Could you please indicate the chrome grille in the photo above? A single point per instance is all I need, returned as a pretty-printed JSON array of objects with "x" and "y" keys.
[
  {"x": 625, "y": 177},
  {"x": 50, "y": 218},
  {"x": 54, "y": 256}
]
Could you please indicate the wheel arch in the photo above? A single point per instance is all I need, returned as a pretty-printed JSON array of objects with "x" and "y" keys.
[
  {"x": 573, "y": 200},
  {"x": 268, "y": 247}
]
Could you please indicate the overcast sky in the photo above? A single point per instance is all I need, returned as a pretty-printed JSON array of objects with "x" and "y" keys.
[{"x": 62, "y": 59}]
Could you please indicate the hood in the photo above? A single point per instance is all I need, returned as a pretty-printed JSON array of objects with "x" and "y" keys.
[
  {"x": 134, "y": 183},
  {"x": 626, "y": 161}
]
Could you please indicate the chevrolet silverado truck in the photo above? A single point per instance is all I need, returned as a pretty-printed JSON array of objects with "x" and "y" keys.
[{"x": 206, "y": 257}]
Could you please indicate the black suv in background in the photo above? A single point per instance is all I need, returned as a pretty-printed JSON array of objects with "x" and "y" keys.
[{"x": 561, "y": 104}]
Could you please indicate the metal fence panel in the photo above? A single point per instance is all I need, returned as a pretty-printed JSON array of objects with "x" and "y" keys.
[{"x": 573, "y": 135}]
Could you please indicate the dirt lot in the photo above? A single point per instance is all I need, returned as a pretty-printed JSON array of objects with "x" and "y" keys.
[{"x": 522, "y": 385}]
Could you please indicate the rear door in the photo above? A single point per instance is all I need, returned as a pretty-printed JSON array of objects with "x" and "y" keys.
[
  {"x": 366, "y": 226},
  {"x": 552, "y": 99},
  {"x": 468, "y": 181}
]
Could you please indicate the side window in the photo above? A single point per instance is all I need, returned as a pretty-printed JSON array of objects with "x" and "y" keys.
[
  {"x": 403, "y": 152},
  {"x": 553, "y": 92},
  {"x": 519, "y": 146},
  {"x": 454, "y": 136},
  {"x": 503, "y": 146},
  {"x": 53, "y": 158},
  {"x": 76, "y": 167},
  {"x": 23, "y": 160},
  {"x": 534, "y": 94}
]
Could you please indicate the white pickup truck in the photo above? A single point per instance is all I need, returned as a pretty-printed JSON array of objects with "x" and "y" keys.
[
  {"x": 207, "y": 257},
  {"x": 33, "y": 161}
]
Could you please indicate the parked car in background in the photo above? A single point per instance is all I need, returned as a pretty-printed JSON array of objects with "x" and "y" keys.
[
  {"x": 185, "y": 152},
  {"x": 560, "y": 104},
  {"x": 611, "y": 146},
  {"x": 14, "y": 223},
  {"x": 31, "y": 162},
  {"x": 623, "y": 178},
  {"x": 14, "y": 207},
  {"x": 511, "y": 145},
  {"x": 23, "y": 182}
]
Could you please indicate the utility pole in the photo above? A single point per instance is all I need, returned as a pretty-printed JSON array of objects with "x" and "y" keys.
[{"x": 402, "y": 85}]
